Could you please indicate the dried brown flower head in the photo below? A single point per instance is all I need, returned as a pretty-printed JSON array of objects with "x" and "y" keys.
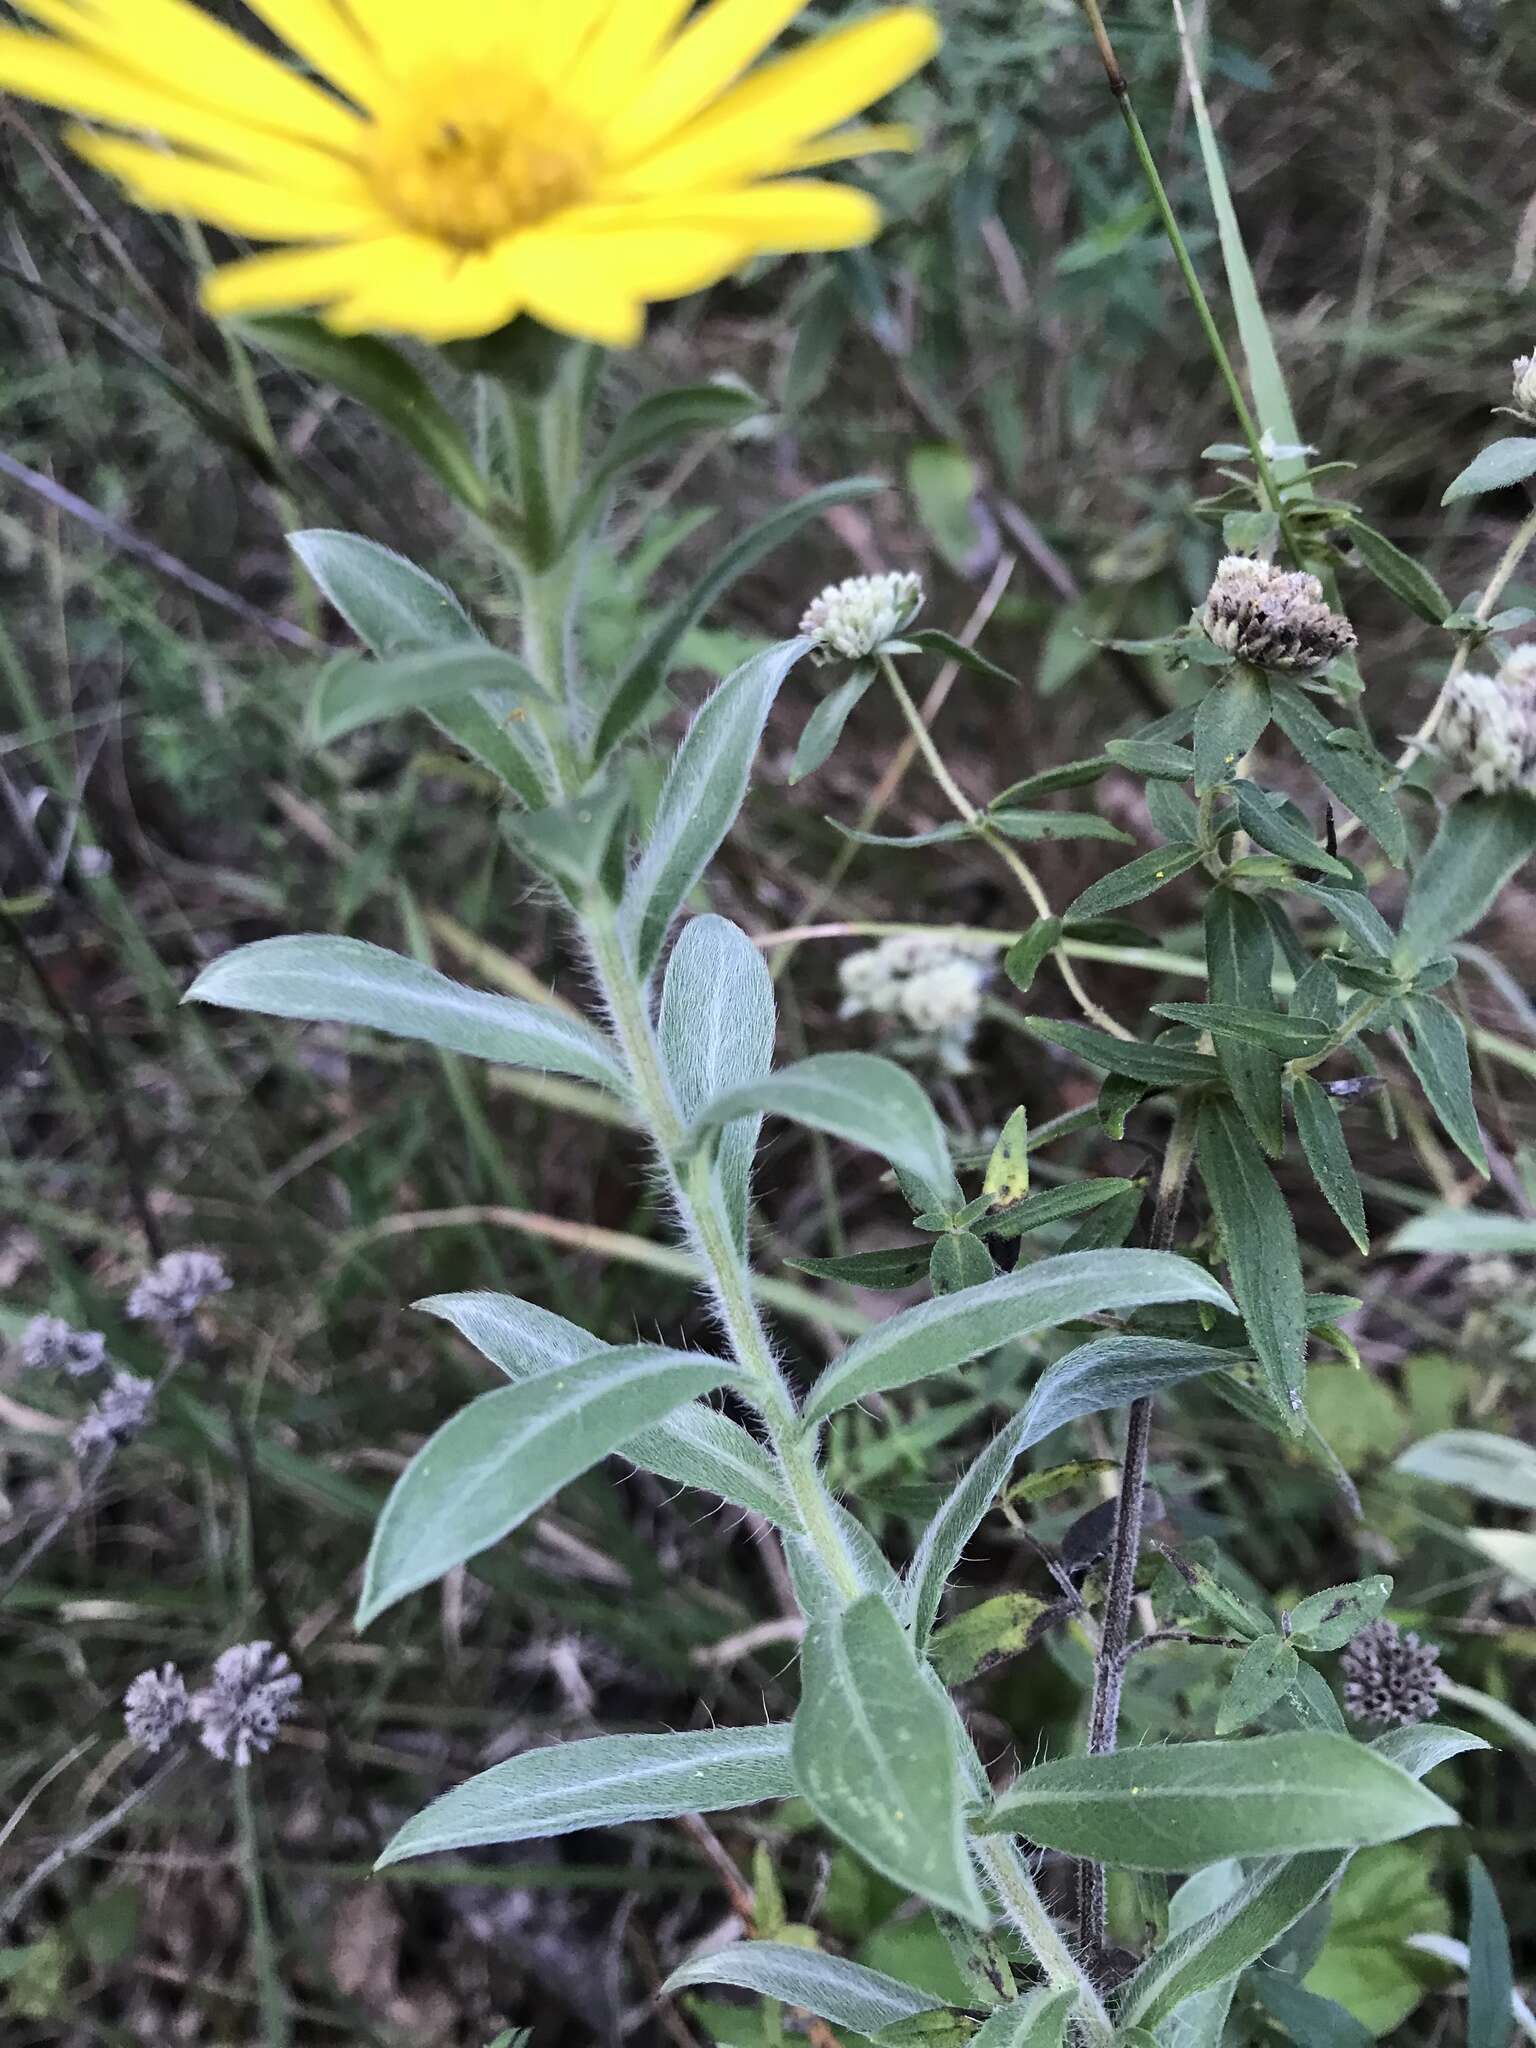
[
  {"x": 1391, "y": 1679},
  {"x": 1273, "y": 618}
]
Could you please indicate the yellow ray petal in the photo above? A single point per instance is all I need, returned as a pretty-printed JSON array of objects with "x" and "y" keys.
[
  {"x": 325, "y": 33},
  {"x": 784, "y": 215},
  {"x": 755, "y": 127},
  {"x": 42, "y": 68},
  {"x": 229, "y": 199},
  {"x": 869, "y": 138},
  {"x": 643, "y": 259},
  {"x": 284, "y": 279},
  {"x": 620, "y": 48},
  {"x": 580, "y": 299},
  {"x": 716, "y": 47},
  {"x": 176, "y": 49}
]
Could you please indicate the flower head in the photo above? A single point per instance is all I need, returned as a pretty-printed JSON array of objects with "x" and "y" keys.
[
  {"x": 450, "y": 165},
  {"x": 121, "y": 1413},
  {"x": 1524, "y": 393},
  {"x": 1391, "y": 1679},
  {"x": 855, "y": 617},
  {"x": 154, "y": 1707},
  {"x": 1488, "y": 727},
  {"x": 933, "y": 984},
  {"x": 175, "y": 1287},
  {"x": 1273, "y": 618},
  {"x": 49, "y": 1344},
  {"x": 251, "y": 1693}
]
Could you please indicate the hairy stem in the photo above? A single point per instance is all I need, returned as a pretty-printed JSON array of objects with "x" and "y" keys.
[
  {"x": 1109, "y": 1665},
  {"x": 271, "y": 1995},
  {"x": 1006, "y": 1870},
  {"x": 1017, "y": 865}
]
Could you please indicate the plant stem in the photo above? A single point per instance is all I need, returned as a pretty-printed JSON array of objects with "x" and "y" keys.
[
  {"x": 1202, "y": 305},
  {"x": 1006, "y": 1870},
  {"x": 271, "y": 1994},
  {"x": 1109, "y": 1665},
  {"x": 1020, "y": 868}
]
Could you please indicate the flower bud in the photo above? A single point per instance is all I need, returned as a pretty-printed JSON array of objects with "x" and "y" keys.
[
  {"x": 856, "y": 617},
  {"x": 1523, "y": 397}
]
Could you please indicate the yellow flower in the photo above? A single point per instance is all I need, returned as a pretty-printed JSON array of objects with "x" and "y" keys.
[{"x": 453, "y": 163}]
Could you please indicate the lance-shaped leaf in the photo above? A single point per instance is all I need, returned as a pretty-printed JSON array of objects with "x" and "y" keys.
[
  {"x": 655, "y": 423},
  {"x": 716, "y": 1033},
  {"x": 636, "y": 688},
  {"x": 346, "y": 981},
  {"x": 503, "y": 1456},
  {"x": 1499, "y": 1468},
  {"x": 1229, "y": 724},
  {"x": 1038, "y": 2020},
  {"x": 1051, "y": 1205},
  {"x": 890, "y": 1267},
  {"x": 937, "y": 1336},
  {"x": 1240, "y": 960},
  {"x": 1259, "y": 1242},
  {"x": 1182, "y": 1805},
  {"x": 1490, "y": 1969},
  {"x": 694, "y": 1446},
  {"x": 1268, "y": 824},
  {"x": 874, "y": 1758},
  {"x": 355, "y": 693},
  {"x": 1355, "y": 780},
  {"x": 1481, "y": 842},
  {"x": 393, "y": 607},
  {"x": 1293, "y": 1038},
  {"x": 599, "y": 1783},
  {"x": 1138, "y": 879},
  {"x": 1264, "y": 1674},
  {"x": 853, "y": 1095},
  {"x": 1274, "y": 1897},
  {"x": 1437, "y": 1052},
  {"x": 699, "y": 800},
  {"x": 824, "y": 727},
  {"x": 830, "y": 1987},
  {"x": 1323, "y": 1141},
  {"x": 1409, "y": 581},
  {"x": 1333, "y": 1617},
  {"x": 1160, "y": 1066},
  {"x": 1495, "y": 468},
  {"x": 930, "y": 640}
]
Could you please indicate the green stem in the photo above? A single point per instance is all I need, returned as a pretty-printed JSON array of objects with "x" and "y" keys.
[
  {"x": 1008, "y": 1873},
  {"x": 1192, "y": 284},
  {"x": 271, "y": 1994}
]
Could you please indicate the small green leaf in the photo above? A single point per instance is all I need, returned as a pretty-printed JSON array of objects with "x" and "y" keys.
[
  {"x": 1240, "y": 961},
  {"x": 699, "y": 800},
  {"x": 1157, "y": 760},
  {"x": 1293, "y": 1038},
  {"x": 857, "y": 1096},
  {"x": 1357, "y": 782},
  {"x": 874, "y": 1756},
  {"x": 931, "y": 641},
  {"x": 382, "y": 379},
  {"x": 319, "y": 978},
  {"x": 1481, "y": 843},
  {"x": 1498, "y": 466},
  {"x": 1264, "y": 1674},
  {"x": 1138, "y": 879},
  {"x": 352, "y": 694},
  {"x": 1437, "y": 1052},
  {"x": 1267, "y": 823},
  {"x": 824, "y": 727},
  {"x": 1069, "y": 775},
  {"x": 1021, "y": 963},
  {"x": 1229, "y": 724},
  {"x": 1319, "y": 2022},
  {"x": 1038, "y": 2020},
  {"x": 1040, "y": 827},
  {"x": 937, "y": 1336},
  {"x": 958, "y": 1261},
  {"x": 1330, "y": 1619},
  {"x": 604, "y": 1781},
  {"x": 1467, "y": 1233},
  {"x": 942, "y": 481},
  {"x": 1259, "y": 1243},
  {"x": 1052, "y": 1205},
  {"x": 1490, "y": 1969},
  {"x": 1497, "y": 1468},
  {"x": 1323, "y": 1141},
  {"x": 498, "y": 1460},
  {"x": 1118, "y": 1096},
  {"x": 892, "y": 1268},
  {"x": 1355, "y": 912},
  {"x": 1160, "y": 1066},
  {"x": 830, "y": 1987},
  {"x": 1193, "y": 1803},
  {"x": 986, "y": 1636},
  {"x": 1007, "y": 1175},
  {"x": 1407, "y": 579}
]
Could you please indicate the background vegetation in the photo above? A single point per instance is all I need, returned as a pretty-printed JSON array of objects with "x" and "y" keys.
[{"x": 1015, "y": 356}]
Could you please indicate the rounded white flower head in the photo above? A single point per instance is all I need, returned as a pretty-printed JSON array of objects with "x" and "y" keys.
[
  {"x": 857, "y": 616},
  {"x": 1273, "y": 618},
  {"x": 933, "y": 984},
  {"x": 122, "y": 1411},
  {"x": 1488, "y": 728},
  {"x": 251, "y": 1693},
  {"x": 155, "y": 1707},
  {"x": 49, "y": 1344},
  {"x": 1523, "y": 396}
]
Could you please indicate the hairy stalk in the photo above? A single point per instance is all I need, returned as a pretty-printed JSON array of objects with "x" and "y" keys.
[
  {"x": 1020, "y": 868},
  {"x": 709, "y": 1230},
  {"x": 1192, "y": 285},
  {"x": 272, "y": 1997},
  {"x": 1109, "y": 1665},
  {"x": 1007, "y": 1871}
]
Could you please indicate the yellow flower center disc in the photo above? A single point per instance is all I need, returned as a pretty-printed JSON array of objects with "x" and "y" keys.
[{"x": 472, "y": 156}]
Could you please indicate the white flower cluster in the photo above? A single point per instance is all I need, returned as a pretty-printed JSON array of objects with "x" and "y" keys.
[
  {"x": 857, "y": 616},
  {"x": 1273, "y": 618},
  {"x": 1524, "y": 394},
  {"x": 251, "y": 1692},
  {"x": 931, "y": 984},
  {"x": 1488, "y": 728}
]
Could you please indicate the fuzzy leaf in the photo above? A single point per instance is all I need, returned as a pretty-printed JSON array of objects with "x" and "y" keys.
[
  {"x": 1498, "y": 1468},
  {"x": 1240, "y": 960},
  {"x": 1437, "y": 1052},
  {"x": 1264, "y": 1675},
  {"x": 1357, "y": 782},
  {"x": 1330, "y": 1619},
  {"x": 1136, "y": 880},
  {"x": 1409, "y": 581},
  {"x": 716, "y": 1032},
  {"x": 1495, "y": 468},
  {"x": 1292, "y": 1038},
  {"x": 1482, "y": 841},
  {"x": 1268, "y": 825},
  {"x": 890, "y": 1267},
  {"x": 830, "y": 1987},
  {"x": 1160, "y": 1066},
  {"x": 824, "y": 727},
  {"x": 1230, "y": 722}
]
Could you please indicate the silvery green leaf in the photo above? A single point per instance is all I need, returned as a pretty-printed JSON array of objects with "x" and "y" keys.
[
  {"x": 932, "y": 641},
  {"x": 716, "y": 1033},
  {"x": 1495, "y": 468},
  {"x": 1466, "y": 1233},
  {"x": 1333, "y": 1617},
  {"x": 1292, "y": 1038},
  {"x": 350, "y": 695},
  {"x": 824, "y": 727},
  {"x": 693, "y": 1446},
  {"x": 1319, "y": 2022},
  {"x": 699, "y": 800},
  {"x": 846, "y": 1993},
  {"x": 1268, "y": 823},
  {"x": 1408, "y": 580},
  {"x": 1186, "y": 1804},
  {"x": 937, "y": 1336},
  {"x": 604, "y": 1781},
  {"x": 1022, "y": 961},
  {"x": 1354, "y": 911},
  {"x": 891, "y": 1267},
  {"x": 1499, "y": 1468},
  {"x": 853, "y": 1095},
  {"x": 1051, "y": 1205},
  {"x": 346, "y": 981},
  {"x": 393, "y": 607},
  {"x": 501, "y": 1458},
  {"x": 1263, "y": 1676},
  {"x": 1482, "y": 841},
  {"x": 1490, "y": 1970},
  {"x": 872, "y": 1753},
  {"x": 1323, "y": 1142},
  {"x": 1437, "y": 1052},
  {"x": 657, "y": 422},
  {"x": 1037, "y": 2020},
  {"x": 1200, "y": 2022}
]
